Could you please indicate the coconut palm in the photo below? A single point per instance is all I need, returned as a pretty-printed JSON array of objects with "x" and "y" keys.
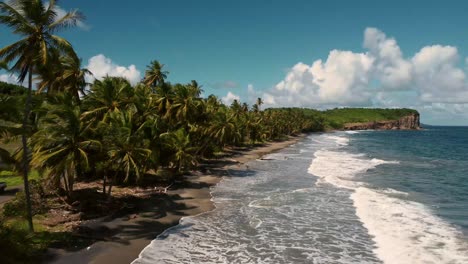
[
  {"x": 126, "y": 147},
  {"x": 259, "y": 103},
  {"x": 182, "y": 153},
  {"x": 36, "y": 23},
  {"x": 73, "y": 76},
  {"x": 106, "y": 96},
  {"x": 164, "y": 99},
  {"x": 223, "y": 129},
  {"x": 195, "y": 89},
  {"x": 62, "y": 143},
  {"x": 10, "y": 114},
  {"x": 155, "y": 75},
  {"x": 185, "y": 106}
]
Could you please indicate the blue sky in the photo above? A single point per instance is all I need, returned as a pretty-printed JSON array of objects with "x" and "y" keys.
[{"x": 249, "y": 49}]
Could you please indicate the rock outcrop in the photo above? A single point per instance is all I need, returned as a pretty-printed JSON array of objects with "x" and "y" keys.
[{"x": 406, "y": 123}]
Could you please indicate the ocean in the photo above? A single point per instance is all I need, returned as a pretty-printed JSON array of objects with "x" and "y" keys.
[{"x": 342, "y": 197}]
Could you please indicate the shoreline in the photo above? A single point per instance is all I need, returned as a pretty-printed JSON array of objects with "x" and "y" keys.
[{"x": 132, "y": 233}]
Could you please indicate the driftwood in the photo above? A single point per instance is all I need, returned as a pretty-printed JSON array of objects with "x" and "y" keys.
[{"x": 162, "y": 189}]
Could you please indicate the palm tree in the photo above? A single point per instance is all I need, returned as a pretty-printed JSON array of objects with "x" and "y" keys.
[
  {"x": 63, "y": 73},
  {"x": 36, "y": 23},
  {"x": 126, "y": 147},
  {"x": 61, "y": 142},
  {"x": 259, "y": 103},
  {"x": 10, "y": 114},
  {"x": 185, "y": 106},
  {"x": 74, "y": 76},
  {"x": 195, "y": 89},
  {"x": 154, "y": 75},
  {"x": 164, "y": 99},
  {"x": 223, "y": 129},
  {"x": 106, "y": 96},
  {"x": 182, "y": 153}
]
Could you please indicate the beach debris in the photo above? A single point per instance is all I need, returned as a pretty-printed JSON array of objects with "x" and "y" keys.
[
  {"x": 132, "y": 216},
  {"x": 159, "y": 189}
]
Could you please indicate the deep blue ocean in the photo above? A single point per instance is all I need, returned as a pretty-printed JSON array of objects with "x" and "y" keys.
[{"x": 343, "y": 197}]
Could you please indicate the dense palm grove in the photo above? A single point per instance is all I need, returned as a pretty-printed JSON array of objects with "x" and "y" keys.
[{"x": 109, "y": 130}]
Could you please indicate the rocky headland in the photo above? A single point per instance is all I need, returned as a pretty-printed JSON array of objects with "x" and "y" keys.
[{"x": 408, "y": 122}]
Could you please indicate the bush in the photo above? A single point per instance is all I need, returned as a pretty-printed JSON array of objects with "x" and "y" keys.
[
  {"x": 17, "y": 206},
  {"x": 14, "y": 245}
]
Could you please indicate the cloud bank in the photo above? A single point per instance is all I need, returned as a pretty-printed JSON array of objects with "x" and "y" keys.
[
  {"x": 102, "y": 66},
  {"x": 8, "y": 78},
  {"x": 377, "y": 77},
  {"x": 431, "y": 80},
  {"x": 229, "y": 98}
]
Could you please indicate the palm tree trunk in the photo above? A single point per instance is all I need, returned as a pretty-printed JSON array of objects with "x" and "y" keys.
[
  {"x": 104, "y": 180},
  {"x": 111, "y": 183},
  {"x": 25, "y": 164},
  {"x": 78, "y": 168},
  {"x": 65, "y": 181}
]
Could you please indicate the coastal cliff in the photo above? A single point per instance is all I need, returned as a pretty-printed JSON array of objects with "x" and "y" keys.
[{"x": 408, "y": 122}]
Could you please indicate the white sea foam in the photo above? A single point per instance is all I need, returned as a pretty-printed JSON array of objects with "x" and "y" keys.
[
  {"x": 404, "y": 231},
  {"x": 407, "y": 232},
  {"x": 341, "y": 141},
  {"x": 255, "y": 222},
  {"x": 351, "y": 132},
  {"x": 341, "y": 168}
]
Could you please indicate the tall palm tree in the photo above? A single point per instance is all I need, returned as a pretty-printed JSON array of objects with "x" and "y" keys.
[
  {"x": 182, "y": 153},
  {"x": 10, "y": 114},
  {"x": 259, "y": 103},
  {"x": 74, "y": 75},
  {"x": 185, "y": 105},
  {"x": 61, "y": 142},
  {"x": 36, "y": 23},
  {"x": 106, "y": 96},
  {"x": 126, "y": 146},
  {"x": 164, "y": 99},
  {"x": 63, "y": 73},
  {"x": 155, "y": 75},
  {"x": 195, "y": 89}
]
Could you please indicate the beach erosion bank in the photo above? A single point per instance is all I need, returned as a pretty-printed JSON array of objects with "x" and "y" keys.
[{"x": 128, "y": 235}]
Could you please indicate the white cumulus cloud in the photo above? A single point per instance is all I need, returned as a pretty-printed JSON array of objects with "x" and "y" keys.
[
  {"x": 13, "y": 79},
  {"x": 229, "y": 98},
  {"x": 380, "y": 76},
  {"x": 8, "y": 78},
  {"x": 342, "y": 79},
  {"x": 102, "y": 66},
  {"x": 390, "y": 68}
]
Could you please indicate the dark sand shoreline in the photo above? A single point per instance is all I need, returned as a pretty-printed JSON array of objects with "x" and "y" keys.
[{"x": 130, "y": 234}]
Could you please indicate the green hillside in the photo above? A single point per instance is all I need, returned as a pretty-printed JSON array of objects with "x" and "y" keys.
[{"x": 336, "y": 118}]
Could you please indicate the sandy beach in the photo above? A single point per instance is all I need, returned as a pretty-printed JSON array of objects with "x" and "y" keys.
[{"x": 126, "y": 236}]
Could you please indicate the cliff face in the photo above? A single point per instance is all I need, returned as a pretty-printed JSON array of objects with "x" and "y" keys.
[{"x": 406, "y": 123}]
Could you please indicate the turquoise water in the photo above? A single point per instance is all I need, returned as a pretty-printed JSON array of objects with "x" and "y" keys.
[{"x": 344, "y": 197}]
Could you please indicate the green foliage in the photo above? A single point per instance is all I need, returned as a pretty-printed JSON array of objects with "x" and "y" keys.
[
  {"x": 17, "y": 245},
  {"x": 13, "y": 179},
  {"x": 17, "y": 206},
  {"x": 336, "y": 118},
  {"x": 12, "y": 89}
]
